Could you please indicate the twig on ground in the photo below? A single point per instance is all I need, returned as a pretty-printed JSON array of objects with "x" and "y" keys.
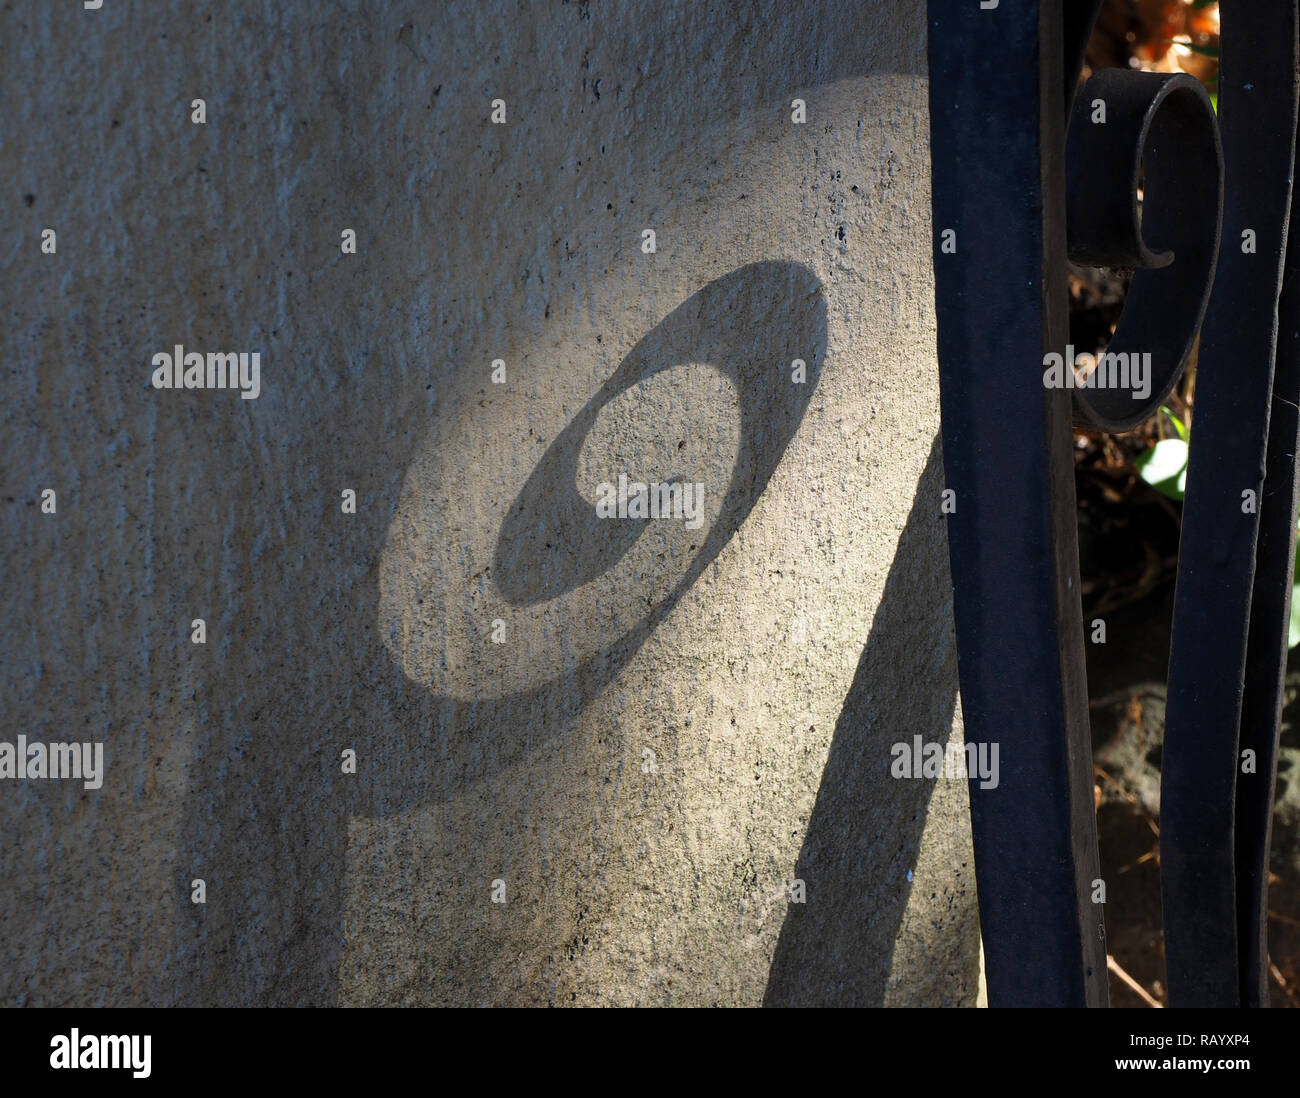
[{"x": 1133, "y": 985}]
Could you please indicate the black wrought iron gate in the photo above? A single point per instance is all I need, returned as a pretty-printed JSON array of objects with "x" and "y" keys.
[{"x": 1027, "y": 169}]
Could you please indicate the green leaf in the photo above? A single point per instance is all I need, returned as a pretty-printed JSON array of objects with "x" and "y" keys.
[
  {"x": 1293, "y": 634},
  {"x": 1179, "y": 425},
  {"x": 1164, "y": 467}
]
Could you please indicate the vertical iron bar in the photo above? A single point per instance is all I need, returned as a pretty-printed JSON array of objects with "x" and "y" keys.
[
  {"x": 1261, "y": 709},
  {"x": 1217, "y": 554},
  {"x": 998, "y": 177}
]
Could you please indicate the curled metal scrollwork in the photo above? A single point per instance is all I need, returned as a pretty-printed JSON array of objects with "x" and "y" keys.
[{"x": 1154, "y": 132}]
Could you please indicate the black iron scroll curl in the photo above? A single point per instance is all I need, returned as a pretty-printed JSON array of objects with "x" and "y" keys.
[{"x": 1155, "y": 132}]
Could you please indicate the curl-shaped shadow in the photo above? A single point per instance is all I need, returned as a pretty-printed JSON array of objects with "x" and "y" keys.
[
  {"x": 749, "y": 325},
  {"x": 720, "y": 325},
  {"x": 423, "y": 748},
  {"x": 267, "y": 809}
]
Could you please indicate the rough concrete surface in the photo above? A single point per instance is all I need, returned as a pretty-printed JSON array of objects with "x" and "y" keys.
[{"x": 680, "y": 723}]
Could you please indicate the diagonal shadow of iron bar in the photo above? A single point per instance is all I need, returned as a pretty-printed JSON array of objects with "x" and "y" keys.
[
  {"x": 1217, "y": 554},
  {"x": 997, "y": 166},
  {"x": 1266, "y": 653}
]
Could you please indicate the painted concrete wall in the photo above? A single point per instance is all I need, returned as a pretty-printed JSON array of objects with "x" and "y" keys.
[{"x": 683, "y": 719}]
